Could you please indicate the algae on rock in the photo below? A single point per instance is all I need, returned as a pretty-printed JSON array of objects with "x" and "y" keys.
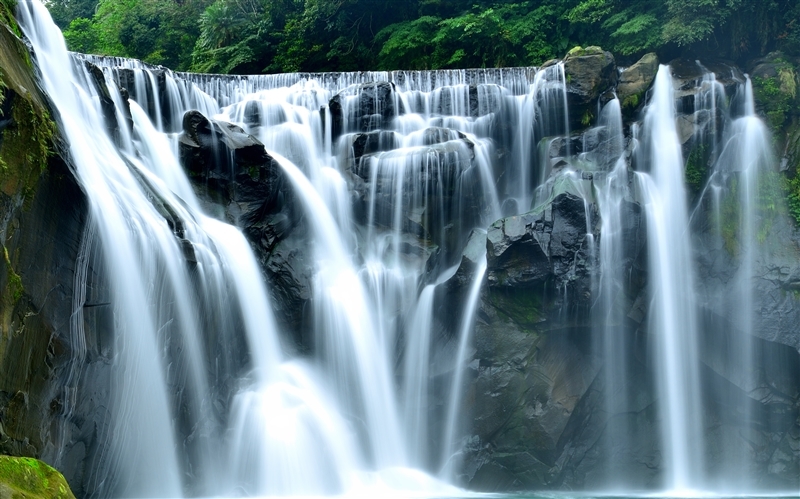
[{"x": 28, "y": 478}]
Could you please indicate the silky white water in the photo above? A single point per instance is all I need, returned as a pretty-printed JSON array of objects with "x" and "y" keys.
[
  {"x": 207, "y": 397},
  {"x": 673, "y": 314}
]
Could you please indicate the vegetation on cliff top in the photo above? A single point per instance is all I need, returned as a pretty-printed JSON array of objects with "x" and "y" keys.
[{"x": 254, "y": 36}]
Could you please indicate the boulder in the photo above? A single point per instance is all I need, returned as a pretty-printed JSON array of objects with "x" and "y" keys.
[
  {"x": 590, "y": 72},
  {"x": 27, "y": 478},
  {"x": 366, "y": 107},
  {"x": 240, "y": 183},
  {"x": 635, "y": 80},
  {"x": 233, "y": 166}
]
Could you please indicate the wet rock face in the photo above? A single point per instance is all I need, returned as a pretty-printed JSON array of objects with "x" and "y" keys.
[
  {"x": 154, "y": 99},
  {"x": 233, "y": 166},
  {"x": 107, "y": 102},
  {"x": 42, "y": 243},
  {"x": 688, "y": 75},
  {"x": 364, "y": 108},
  {"x": 531, "y": 368},
  {"x": 534, "y": 247},
  {"x": 240, "y": 183}
]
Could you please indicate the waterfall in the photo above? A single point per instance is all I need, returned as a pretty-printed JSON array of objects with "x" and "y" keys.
[
  {"x": 392, "y": 178},
  {"x": 673, "y": 314},
  {"x": 182, "y": 282}
]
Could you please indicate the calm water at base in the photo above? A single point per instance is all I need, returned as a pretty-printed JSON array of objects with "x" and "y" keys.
[{"x": 557, "y": 495}]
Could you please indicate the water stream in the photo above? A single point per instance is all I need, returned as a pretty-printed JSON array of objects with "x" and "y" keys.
[{"x": 390, "y": 187}]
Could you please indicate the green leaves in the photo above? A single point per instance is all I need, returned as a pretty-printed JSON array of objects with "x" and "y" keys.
[
  {"x": 158, "y": 32},
  {"x": 342, "y": 35},
  {"x": 504, "y": 34},
  {"x": 408, "y": 44}
]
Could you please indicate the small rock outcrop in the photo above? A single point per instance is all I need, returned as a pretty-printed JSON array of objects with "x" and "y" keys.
[
  {"x": 365, "y": 108},
  {"x": 635, "y": 80},
  {"x": 590, "y": 72},
  {"x": 240, "y": 183}
]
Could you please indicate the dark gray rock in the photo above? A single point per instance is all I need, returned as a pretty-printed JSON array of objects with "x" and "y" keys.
[
  {"x": 688, "y": 75},
  {"x": 241, "y": 184},
  {"x": 532, "y": 367},
  {"x": 151, "y": 94},
  {"x": 367, "y": 107},
  {"x": 107, "y": 104}
]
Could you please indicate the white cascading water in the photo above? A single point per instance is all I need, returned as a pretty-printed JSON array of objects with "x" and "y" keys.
[
  {"x": 358, "y": 415},
  {"x": 673, "y": 316},
  {"x": 743, "y": 164},
  {"x": 296, "y": 426},
  {"x": 611, "y": 334}
]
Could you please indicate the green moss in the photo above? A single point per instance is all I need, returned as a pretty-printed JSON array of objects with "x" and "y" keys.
[
  {"x": 769, "y": 203},
  {"x": 27, "y": 478},
  {"x": 580, "y": 51},
  {"x": 587, "y": 117},
  {"x": 631, "y": 102},
  {"x": 695, "y": 173},
  {"x": 792, "y": 184},
  {"x": 772, "y": 190},
  {"x": 776, "y": 96},
  {"x": 25, "y": 147},
  {"x": 729, "y": 219},
  {"x": 14, "y": 288},
  {"x": 7, "y": 9},
  {"x": 523, "y": 306}
]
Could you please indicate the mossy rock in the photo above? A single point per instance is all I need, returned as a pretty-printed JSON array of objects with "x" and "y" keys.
[
  {"x": 582, "y": 52},
  {"x": 634, "y": 81},
  {"x": 28, "y": 478},
  {"x": 26, "y": 128}
]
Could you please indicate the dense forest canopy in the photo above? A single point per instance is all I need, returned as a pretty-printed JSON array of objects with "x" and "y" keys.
[{"x": 268, "y": 36}]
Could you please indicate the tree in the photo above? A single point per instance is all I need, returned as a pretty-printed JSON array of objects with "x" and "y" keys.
[{"x": 64, "y": 12}]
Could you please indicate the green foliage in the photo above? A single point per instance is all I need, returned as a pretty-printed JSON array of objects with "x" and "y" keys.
[
  {"x": 793, "y": 197},
  {"x": 408, "y": 44},
  {"x": 587, "y": 117},
  {"x": 155, "y": 31},
  {"x": 631, "y": 102},
  {"x": 7, "y": 9},
  {"x": 228, "y": 37},
  {"x": 81, "y": 37},
  {"x": 793, "y": 178},
  {"x": 64, "y": 12},
  {"x": 522, "y": 33},
  {"x": 696, "y": 163},
  {"x": 776, "y": 96},
  {"x": 590, "y": 11},
  {"x": 341, "y": 35}
]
